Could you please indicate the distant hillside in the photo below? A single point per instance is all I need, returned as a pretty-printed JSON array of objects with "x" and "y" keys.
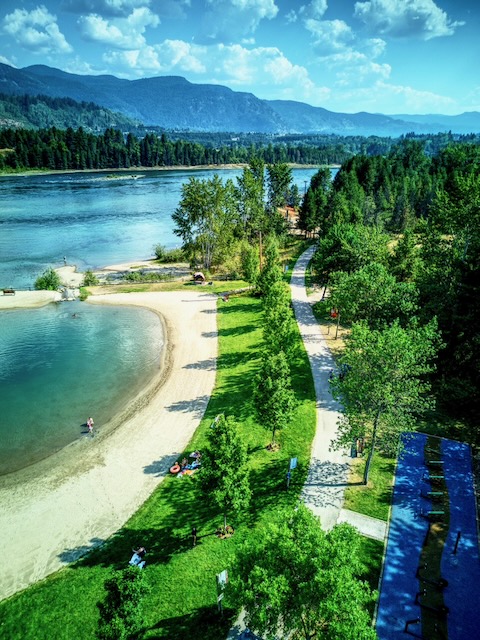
[
  {"x": 174, "y": 103},
  {"x": 468, "y": 122},
  {"x": 42, "y": 112},
  {"x": 303, "y": 118}
]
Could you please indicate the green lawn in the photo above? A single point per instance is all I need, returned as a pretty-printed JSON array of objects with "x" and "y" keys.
[
  {"x": 182, "y": 601},
  {"x": 372, "y": 500}
]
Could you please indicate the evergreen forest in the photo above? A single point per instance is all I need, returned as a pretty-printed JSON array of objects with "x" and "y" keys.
[
  {"x": 124, "y": 145},
  {"x": 399, "y": 240}
]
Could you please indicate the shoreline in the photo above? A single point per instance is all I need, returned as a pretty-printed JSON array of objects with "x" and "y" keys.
[
  {"x": 133, "y": 170},
  {"x": 72, "y": 501}
]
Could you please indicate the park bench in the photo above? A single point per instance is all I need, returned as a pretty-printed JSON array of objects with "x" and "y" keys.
[{"x": 9, "y": 292}]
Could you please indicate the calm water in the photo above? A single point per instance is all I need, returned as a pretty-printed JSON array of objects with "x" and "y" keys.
[
  {"x": 56, "y": 369},
  {"x": 90, "y": 218}
]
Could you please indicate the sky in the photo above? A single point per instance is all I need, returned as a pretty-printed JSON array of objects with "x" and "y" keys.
[{"x": 380, "y": 56}]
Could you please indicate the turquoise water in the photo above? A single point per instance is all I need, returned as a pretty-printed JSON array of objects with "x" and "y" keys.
[
  {"x": 91, "y": 218},
  {"x": 57, "y": 369}
]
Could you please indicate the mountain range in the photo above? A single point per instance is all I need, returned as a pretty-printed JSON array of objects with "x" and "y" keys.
[{"x": 174, "y": 103}]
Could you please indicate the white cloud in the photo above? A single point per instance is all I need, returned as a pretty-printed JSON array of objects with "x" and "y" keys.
[
  {"x": 121, "y": 33},
  {"x": 104, "y": 7},
  {"x": 405, "y": 18},
  {"x": 230, "y": 20},
  {"x": 5, "y": 60},
  {"x": 356, "y": 69},
  {"x": 315, "y": 10},
  {"x": 184, "y": 56},
  {"x": 265, "y": 68},
  {"x": 394, "y": 99},
  {"x": 329, "y": 35},
  {"x": 36, "y": 30}
]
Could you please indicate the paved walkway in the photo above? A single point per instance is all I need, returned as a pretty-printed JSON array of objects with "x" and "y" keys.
[
  {"x": 366, "y": 525},
  {"x": 328, "y": 473}
]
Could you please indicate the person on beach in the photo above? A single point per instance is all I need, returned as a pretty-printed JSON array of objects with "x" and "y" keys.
[{"x": 90, "y": 424}]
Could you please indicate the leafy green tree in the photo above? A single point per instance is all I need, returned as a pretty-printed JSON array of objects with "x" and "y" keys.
[
  {"x": 273, "y": 396},
  {"x": 224, "y": 476},
  {"x": 279, "y": 324},
  {"x": 250, "y": 262},
  {"x": 405, "y": 261},
  {"x": 385, "y": 388},
  {"x": 206, "y": 218},
  {"x": 271, "y": 271},
  {"x": 121, "y": 611},
  {"x": 297, "y": 579},
  {"x": 279, "y": 179},
  {"x": 348, "y": 247},
  {"x": 251, "y": 198},
  {"x": 49, "y": 280},
  {"x": 372, "y": 294}
]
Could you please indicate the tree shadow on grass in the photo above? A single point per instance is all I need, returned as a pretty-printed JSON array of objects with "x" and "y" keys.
[
  {"x": 213, "y": 625},
  {"x": 237, "y": 331},
  {"x": 167, "y": 519}
]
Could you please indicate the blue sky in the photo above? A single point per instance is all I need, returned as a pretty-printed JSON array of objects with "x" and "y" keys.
[{"x": 381, "y": 56}]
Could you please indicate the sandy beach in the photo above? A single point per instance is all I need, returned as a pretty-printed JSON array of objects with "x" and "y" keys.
[{"x": 55, "y": 511}]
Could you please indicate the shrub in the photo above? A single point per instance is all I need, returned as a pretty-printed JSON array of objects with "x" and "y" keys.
[
  {"x": 89, "y": 279},
  {"x": 49, "y": 280},
  {"x": 168, "y": 255}
]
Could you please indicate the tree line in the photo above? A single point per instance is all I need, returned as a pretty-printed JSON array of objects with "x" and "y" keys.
[
  {"x": 56, "y": 148},
  {"x": 399, "y": 242}
]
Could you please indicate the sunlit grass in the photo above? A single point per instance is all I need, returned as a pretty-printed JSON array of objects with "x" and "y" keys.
[{"x": 182, "y": 601}]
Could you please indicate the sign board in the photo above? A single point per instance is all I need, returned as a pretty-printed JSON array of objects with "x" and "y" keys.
[
  {"x": 222, "y": 579},
  {"x": 293, "y": 463}
]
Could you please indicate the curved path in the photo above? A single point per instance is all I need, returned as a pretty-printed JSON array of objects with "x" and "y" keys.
[{"x": 328, "y": 472}]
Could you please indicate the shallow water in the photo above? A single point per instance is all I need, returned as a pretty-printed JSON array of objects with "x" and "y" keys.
[
  {"x": 94, "y": 219},
  {"x": 57, "y": 369}
]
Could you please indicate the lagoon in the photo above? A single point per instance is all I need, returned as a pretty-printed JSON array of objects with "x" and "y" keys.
[{"x": 66, "y": 361}]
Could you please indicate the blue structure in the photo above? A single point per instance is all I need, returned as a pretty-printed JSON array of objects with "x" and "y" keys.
[{"x": 407, "y": 532}]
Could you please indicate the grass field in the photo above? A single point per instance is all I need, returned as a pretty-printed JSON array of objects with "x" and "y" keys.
[{"x": 182, "y": 601}]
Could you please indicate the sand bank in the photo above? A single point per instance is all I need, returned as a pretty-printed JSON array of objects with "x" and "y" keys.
[
  {"x": 58, "y": 510},
  {"x": 24, "y": 299}
]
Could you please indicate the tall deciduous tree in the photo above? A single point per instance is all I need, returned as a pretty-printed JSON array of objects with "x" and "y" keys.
[
  {"x": 224, "y": 475},
  {"x": 206, "y": 217},
  {"x": 251, "y": 198},
  {"x": 271, "y": 271},
  {"x": 372, "y": 294},
  {"x": 279, "y": 182},
  {"x": 273, "y": 396},
  {"x": 299, "y": 580},
  {"x": 279, "y": 325},
  {"x": 121, "y": 611},
  {"x": 385, "y": 389}
]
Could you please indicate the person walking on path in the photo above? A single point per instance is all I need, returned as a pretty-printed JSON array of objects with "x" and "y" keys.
[{"x": 324, "y": 488}]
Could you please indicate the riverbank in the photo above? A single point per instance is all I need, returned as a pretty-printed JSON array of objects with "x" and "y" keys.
[
  {"x": 134, "y": 170},
  {"x": 74, "y": 500}
]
